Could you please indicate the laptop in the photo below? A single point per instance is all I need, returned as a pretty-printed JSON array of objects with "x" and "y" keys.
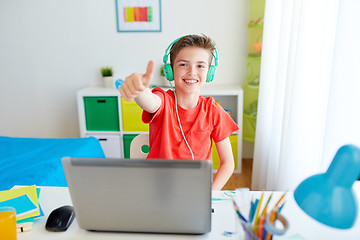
[{"x": 140, "y": 195}]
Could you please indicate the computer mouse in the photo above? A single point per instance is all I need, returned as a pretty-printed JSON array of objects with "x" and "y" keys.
[{"x": 60, "y": 219}]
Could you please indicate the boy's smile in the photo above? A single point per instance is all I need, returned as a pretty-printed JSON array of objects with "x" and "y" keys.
[{"x": 191, "y": 81}]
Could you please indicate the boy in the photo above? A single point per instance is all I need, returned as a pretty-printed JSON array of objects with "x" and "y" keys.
[{"x": 182, "y": 123}]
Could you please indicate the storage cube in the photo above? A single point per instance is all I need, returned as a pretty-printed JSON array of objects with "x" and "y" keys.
[
  {"x": 101, "y": 113},
  {"x": 110, "y": 145},
  {"x": 127, "y": 142},
  {"x": 131, "y": 116},
  {"x": 215, "y": 155}
]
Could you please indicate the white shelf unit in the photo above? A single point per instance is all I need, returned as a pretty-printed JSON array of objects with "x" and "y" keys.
[{"x": 112, "y": 141}]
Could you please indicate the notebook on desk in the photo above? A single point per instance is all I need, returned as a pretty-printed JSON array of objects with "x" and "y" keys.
[{"x": 160, "y": 196}]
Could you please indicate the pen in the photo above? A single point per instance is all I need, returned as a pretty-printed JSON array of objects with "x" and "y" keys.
[{"x": 23, "y": 229}]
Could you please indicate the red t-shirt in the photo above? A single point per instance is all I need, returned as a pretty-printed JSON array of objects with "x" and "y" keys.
[{"x": 206, "y": 122}]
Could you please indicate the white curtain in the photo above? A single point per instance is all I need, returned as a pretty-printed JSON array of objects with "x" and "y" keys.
[{"x": 309, "y": 96}]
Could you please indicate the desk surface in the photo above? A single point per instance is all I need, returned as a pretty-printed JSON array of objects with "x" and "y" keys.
[
  {"x": 52, "y": 198},
  {"x": 223, "y": 219}
]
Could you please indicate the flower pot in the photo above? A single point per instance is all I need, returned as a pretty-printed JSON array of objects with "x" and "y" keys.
[{"x": 108, "y": 82}]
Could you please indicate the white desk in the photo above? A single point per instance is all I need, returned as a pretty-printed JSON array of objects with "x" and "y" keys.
[
  {"x": 51, "y": 198},
  {"x": 223, "y": 219}
]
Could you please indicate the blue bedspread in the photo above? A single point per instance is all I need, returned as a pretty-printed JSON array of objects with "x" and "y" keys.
[{"x": 28, "y": 161}]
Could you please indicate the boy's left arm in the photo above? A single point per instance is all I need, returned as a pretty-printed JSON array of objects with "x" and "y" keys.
[{"x": 226, "y": 164}]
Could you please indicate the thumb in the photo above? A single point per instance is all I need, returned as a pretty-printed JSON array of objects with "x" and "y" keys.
[{"x": 149, "y": 73}]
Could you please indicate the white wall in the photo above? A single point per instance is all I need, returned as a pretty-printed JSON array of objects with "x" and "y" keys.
[{"x": 49, "y": 49}]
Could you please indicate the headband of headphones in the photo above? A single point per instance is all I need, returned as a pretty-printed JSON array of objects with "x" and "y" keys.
[{"x": 168, "y": 69}]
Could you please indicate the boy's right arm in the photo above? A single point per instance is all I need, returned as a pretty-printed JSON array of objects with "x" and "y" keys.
[{"x": 136, "y": 86}]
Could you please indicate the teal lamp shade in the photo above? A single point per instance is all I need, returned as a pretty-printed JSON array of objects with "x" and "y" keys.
[{"x": 329, "y": 197}]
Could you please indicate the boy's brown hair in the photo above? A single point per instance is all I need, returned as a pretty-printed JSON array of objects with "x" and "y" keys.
[{"x": 192, "y": 41}]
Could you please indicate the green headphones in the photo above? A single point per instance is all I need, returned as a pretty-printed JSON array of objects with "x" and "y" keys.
[{"x": 168, "y": 72}]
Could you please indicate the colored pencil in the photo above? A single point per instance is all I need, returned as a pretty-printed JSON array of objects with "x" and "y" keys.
[
  {"x": 281, "y": 198},
  {"x": 256, "y": 221},
  {"x": 238, "y": 211},
  {"x": 261, "y": 228},
  {"x": 274, "y": 213},
  {"x": 265, "y": 208},
  {"x": 253, "y": 209}
]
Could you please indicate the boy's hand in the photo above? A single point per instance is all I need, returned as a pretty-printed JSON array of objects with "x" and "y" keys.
[{"x": 136, "y": 83}]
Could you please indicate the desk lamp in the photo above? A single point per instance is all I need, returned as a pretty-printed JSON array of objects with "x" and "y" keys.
[{"x": 329, "y": 197}]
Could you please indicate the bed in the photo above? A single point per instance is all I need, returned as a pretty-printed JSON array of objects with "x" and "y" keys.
[{"x": 29, "y": 161}]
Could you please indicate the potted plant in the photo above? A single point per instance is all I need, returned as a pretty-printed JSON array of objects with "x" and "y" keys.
[{"x": 107, "y": 75}]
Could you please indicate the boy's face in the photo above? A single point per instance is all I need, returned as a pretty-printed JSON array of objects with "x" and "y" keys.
[{"x": 190, "y": 69}]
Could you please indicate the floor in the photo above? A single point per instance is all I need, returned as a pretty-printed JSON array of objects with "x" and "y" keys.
[{"x": 243, "y": 179}]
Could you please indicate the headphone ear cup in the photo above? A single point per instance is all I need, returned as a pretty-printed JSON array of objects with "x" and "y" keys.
[
  {"x": 168, "y": 72},
  {"x": 211, "y": 73}
]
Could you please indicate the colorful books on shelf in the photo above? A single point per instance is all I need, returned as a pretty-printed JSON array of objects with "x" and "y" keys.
[{"x": 25, "y": 200}]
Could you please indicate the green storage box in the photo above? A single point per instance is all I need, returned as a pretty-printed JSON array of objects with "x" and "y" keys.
[
  {"x": 250, "y": 112},
  {"x": 101, "y": 113},
  {"x": 253, "y": 70},
  {"x": 255, "y": 39},
  {"x": 127, "y": 141},
  {"x": 256, "y": 9},
  {"x": 249, "y": 128}
]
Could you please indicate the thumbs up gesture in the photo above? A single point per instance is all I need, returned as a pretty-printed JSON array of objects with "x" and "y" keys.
[{"x": 137, "y": 83}]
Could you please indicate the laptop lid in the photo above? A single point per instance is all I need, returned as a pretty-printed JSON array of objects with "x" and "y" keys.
[{"x": 133, "y": 195}]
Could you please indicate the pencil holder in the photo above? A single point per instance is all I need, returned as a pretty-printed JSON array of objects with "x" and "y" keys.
[{"x": 260, "y": 222}]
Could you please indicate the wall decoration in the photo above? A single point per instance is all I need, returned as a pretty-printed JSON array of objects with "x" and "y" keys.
[{"x": 138, "y": 15}]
